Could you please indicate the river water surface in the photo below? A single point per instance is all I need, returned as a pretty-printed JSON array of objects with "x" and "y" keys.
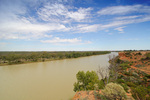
[{"x": 51, "y": 80}]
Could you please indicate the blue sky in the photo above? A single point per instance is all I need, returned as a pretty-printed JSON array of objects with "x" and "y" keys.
[{"x": 74, "y": 25}]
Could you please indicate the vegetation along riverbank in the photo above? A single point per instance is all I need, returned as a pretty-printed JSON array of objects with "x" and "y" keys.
[
  {"x": 128, "y": 79},
  {"x": 8, "y": 58}
]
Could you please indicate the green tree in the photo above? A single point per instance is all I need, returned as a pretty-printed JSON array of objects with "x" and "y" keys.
[{"x": 86, "y": 81}]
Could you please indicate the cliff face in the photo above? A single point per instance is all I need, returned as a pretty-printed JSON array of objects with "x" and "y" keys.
[
  {"x": 88, "y": 95},
  {"x": 91, "y": 95}
]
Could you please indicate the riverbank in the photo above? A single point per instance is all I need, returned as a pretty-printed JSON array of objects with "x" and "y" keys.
[
  {"x": 131, "y": 71},
  {"x": 11, "y": 58}
]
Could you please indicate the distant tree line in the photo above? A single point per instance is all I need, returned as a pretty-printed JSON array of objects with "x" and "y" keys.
[{"x": 23, "y": 57}]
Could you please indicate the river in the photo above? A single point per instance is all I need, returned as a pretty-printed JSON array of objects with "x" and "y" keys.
[{"x": 51, "y": 80}]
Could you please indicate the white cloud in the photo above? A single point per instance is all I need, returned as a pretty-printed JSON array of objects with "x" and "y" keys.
[
  {"x": 84, "y": 28},
  {"x": 48, "y": 36},
  {"x": 121, "y": 10},
  {"x": 18, "y": 29},
  {"x": 17, "y": 23},
  {"x": 58, "y": 40},
  {"x": 117, "y": 23},
  {"x": 127, "y": 17},
  {"x": 61, "y": 13},
  {"x": 120, "y": 29},
  {"x": 64, "y": 42},
  {"x": 13, "y": 26},
  {"x": 106, "y": 30},
  {"x": 79, "y": 15}
]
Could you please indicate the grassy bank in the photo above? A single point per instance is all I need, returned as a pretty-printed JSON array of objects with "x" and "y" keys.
[{"x": 8, "y": 58}]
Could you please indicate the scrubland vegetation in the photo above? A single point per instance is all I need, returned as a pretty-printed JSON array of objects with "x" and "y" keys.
[
  {"x": 24, "y": 57},
  {"x": 126, "y": 81}
]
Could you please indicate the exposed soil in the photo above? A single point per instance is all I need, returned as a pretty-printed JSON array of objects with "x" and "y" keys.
[
  {"x": 136, "y": 60},
  {"x": 90, "y": 95}
]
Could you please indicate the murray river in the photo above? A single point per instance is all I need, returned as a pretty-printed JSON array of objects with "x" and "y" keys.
[{"x": 51, "y": 80}]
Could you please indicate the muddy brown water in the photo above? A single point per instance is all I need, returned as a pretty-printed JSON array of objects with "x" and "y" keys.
[{"x": 51, "y": 80}]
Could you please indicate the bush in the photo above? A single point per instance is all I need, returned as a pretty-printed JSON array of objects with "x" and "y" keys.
[
  {"x": 124, "y": 65},
  {"x": 139, "y": 65},
  {"x": 148, "y": 76},
  {"x": 114, "y": 91},
  {"x": 127, "y": 73},
  {"x": 135, "y": 58},
  {"x": 139, "y": 53},
  {"x": 145, "y": 79},
  {"x": 124, "y": 68},
  {"x": 128, "y": 54},
  {"x": 101, "y": 84},
  {"x": 120, "y": 81},
  {"x": 148, "y": 56},
  {"x": 139, "y": 92},
  {"x": 130, "y": 84},
  {"x": 118, "y": 60},
  {"x": 125, "y": 87},
  {"x": 131, "y": 64},
  {"x": 135, "y": 74},
  {"x": 86, "y": 81},
  {"x": 120, "y": 76}
]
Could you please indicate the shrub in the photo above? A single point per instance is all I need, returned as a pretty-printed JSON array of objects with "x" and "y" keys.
[
  {"x": 101, "y": 84},
  {"x": 114, "y": 91},
  {"x": 142, "y": 58},
  {"x": 139, "y": 65},
  {"x": 118, "y": 60},
  {"x": 130, "y": 84},
  {"x": 148, "y": 56},
  {"x": 135, "y": 61},
  {"x": 86, "y": 81},
  {"x": 127, "y": 73},
  {"x": 134, "y": 80},
  {"x": 124, "y": 68},
  {"x": 139, "y": 92},
  {"x": 135, "y": 74},
  {"x": 145, "y": 79},
  {"x": 131, "y": 64},
  {"x": 139, "y": 53},
  {"x": 125, "y": 87},
  {"x": 120, "y": 76},
  {"x": 120, "y": 81},
  {"x": 128, "y": 54},
  {"x": 148, "y": 76},
  {"x": 124, "y": 65}
]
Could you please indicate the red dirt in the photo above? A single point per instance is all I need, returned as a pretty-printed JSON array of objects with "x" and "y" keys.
[
  {"x": 136, "y": 60},
  {"x": 89, "y": 95}
]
